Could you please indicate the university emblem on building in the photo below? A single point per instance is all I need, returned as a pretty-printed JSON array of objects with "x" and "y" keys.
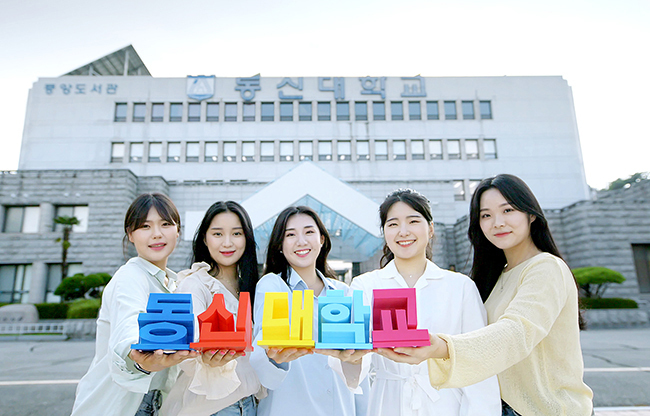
[{"x": 200, "y": 87}]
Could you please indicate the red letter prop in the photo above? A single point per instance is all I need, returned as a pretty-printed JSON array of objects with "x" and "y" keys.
[
  {"x": 395, "y": 320},
  {"x": 218, "y": 329}
]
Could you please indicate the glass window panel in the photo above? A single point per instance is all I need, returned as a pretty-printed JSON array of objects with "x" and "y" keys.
[
  {"x": 211, "y": 152},
  {"x": 231, "y": 112},
  {"x": 486, "y": 110},
  {"x": 136, "y": 152},
  {"x": 267, "y": 151},
  {"x": 450, "y": 110},
  {"x": 81, "y": 213},
  {"x": 381, "y": 150},
  {"x": 192, "y": 151},
  {"x": 31, "y": 219},
  {"x": 417, "y": 149},
  {"x": 249, "y": 112},
  {"x": 324, "y": 150},
  {"x": 304, "y": 111},
  {"x": 13, "y": 219},
  {"x": 379, "y": 110},
  {"x": 306, "y": 150},
  {"x": 212, "y": 112},
  {"x": 490, "y": 148},
  {"x": 117, "y": 152},
  {"x": 157, "y": 112},
  {"x": 363, "y": 150},
  {"x": 399, "y": 150},
  {"x": 471, "y": 149},
  {"x": 435, "y": 149},
  {"x": 396, "y": 110},
  {"x": 155, "y": 152},
  {"x": 267, "y": 112},
  {"x": 286, "y": 111},
  {"x": 361, "y": 111},
  {"x": 248, "y": 152},
  {"x": 194, "y": 112},
  {"x": 342, "y": 111},
  {"x": 176, "y": 112},
  {"x": 472, "y": 185},
  {"x": 324, "y": 111},
  {"x": 174, "y": 152},
  {"x": 286, "y": 151},
  {"x": 453, "y": 149},
  {"x": 432, "y": 110},
  {"x": 54, "y": 279},
  {"x": 415, "y": 110},
  {"x": 459, "y": 190},
  {"x": 120, "y": 112},
  {"x": 229, "y": 151},
  {"x": 344, "y": 150},
  {"x": 139, "y": 112},
  {"x": 468, "y": 110}
]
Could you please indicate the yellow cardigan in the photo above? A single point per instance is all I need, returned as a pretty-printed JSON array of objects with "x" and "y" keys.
[{"x": 532, "y": 343}]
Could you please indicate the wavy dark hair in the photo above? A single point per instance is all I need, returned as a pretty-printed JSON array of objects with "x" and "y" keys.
[
  {"x": 415, "y": 200},
  {"x": 275, "y": 260},
  {"x": 136, "y": 214},
  {"x": 489, "y": 260},
  {"x": 247, "y": 264}
]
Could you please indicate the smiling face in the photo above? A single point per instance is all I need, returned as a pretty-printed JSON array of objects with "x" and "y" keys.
[
  {"x": 503, "y": 226},
  {"x": 407, "y": 232},
  {"x": 155, "y": 240},
  {"x": 225, "y": 239},
  {"x": 302, "y": 242}
]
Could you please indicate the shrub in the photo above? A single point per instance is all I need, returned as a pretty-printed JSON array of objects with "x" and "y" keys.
[
  {"x": 52, "y": 310},
  {"x": 594, "y": 280},
  {"x": 609, "y": 303},
  {"x": 79, "y": 285},
  {"x": 84, "y": 309}
]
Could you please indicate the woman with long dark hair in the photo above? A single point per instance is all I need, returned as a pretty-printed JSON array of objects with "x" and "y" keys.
[
  {"x": 532, "y": 342},
  {"x": 219, "y": 382}
]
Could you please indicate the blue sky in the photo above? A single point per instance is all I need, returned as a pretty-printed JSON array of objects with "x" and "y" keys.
[{"x": 599, "y": 47}]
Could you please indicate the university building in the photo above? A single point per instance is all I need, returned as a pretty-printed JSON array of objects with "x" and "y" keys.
[{"x": 98, "y": 136}]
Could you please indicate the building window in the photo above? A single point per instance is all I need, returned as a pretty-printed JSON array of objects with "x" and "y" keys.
[
  {"x": 139, "y": 112},
  {"x": 192, "y": 151},
  {"x": 54, "y": 279},
  {"x": 306, "y": 150},
  {"x": 173, "y": 152},
  {"x": 344, "y": 150},
  {"x": 21, "y": 219},
  {"x": 342, "y": 111},
  {"x": 211, "y": 152},
  {"x": 194, "y": 112},
  {"x": 229, "y": 151},
  {"x": 450, "y": 110},
  {"x": 324, "y": 150},
  {"x": 490, "y": 148},
  {"x": 486, "y": 110},
  {"x": 286, "y": 151},
  {"x": 267, "y": 152},
  {"x": 379, "y": 110},
  {"x": 361, "y": 111},
  {"x": 212, "y": 112},
  {"x": 399, "y": 150},
  {"x": 248, "y": 152},
  {"x": 14, "y": 283},
  {"x": 176, "y": 112},
  {"x": 363, "y": 150},
  {"x": 248, "y": 112},
  {"x": 471, "y": 149},
  {"x": 231, "y": 112},
  {"x": 324, "y": 111},
  {"x": 381, "y": 150},
  {"x": 435, "y": 149},
  {"x": 136, "y": 152},
  {"x": 468, "y": 110},
  {"x": 417, "y": 149},
  {"x": 117, "y": 152},
  {"x": 433, "y": 113},
  {"x": 415, "y": 110},
  {"x": 268, "y": 112},
  {"x": 120, "y": 112},
  {"x": 286, "y": 111},
  {"x": 304, "y": 111},
  {"x": 80, "y": 212},
  {"x": 459, "y": 190},
  {"x": 396, "y": 110},
  {"x": 155, "y": 152},
  {"x": 453, "y": 149},
  {"x": 157, "y": 112},
  {"x": 473, "y": 183}
]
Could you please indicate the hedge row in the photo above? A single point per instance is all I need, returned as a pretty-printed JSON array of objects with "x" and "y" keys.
[{"x": 608, "y": 303}]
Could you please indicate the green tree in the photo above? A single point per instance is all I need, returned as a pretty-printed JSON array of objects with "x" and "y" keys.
[
  {"x": 67, "y": 223},
  {"x": 623, "y": 182},
  {"x": 594, "y": 280}
]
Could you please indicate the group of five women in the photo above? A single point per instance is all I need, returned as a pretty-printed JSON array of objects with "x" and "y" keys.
[{"x": 505, "y": 341}]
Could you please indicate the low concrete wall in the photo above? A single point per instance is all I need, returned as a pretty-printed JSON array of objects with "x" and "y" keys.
[{"x": 616, "y": 318}]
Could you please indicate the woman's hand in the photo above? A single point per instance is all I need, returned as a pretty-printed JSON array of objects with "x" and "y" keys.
[
  {"x": 219, "y": 358},
  {"x": 415, "y": 355},
  {"x": 347, "y": 356},
  {"x": 158, "y": 360},
  {"x": 285, "y": 355}
]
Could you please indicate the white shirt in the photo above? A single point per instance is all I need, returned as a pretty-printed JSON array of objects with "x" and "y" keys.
[
  {"x": 306, "y": 386},
  {"x": 112, "y": 385},
  {"x": 201, "y": 389},
  {"x": 447, "y": 302}
]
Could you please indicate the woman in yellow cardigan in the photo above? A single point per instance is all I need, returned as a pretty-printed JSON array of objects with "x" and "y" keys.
[{"x": 532, "y": 342}]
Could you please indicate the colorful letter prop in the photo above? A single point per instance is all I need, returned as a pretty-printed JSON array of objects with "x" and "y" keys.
[
  {"x": 218, "y": 329},
  {"x": 168, "y": 323},
  {"x": 394, "y": 319},
  {"x": 344, "y": 322},
  {"x": 276, "y": 330}
]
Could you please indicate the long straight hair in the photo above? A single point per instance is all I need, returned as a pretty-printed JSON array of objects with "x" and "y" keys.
[
  {"x": 277, "y": 263},
  {"x": 247, "y": 264},
  {"x": 415, "y": 200},
  {"x": 490, "y": 260}
]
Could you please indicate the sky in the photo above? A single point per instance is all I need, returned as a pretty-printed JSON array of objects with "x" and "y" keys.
[{"x": 599, "y": 46}]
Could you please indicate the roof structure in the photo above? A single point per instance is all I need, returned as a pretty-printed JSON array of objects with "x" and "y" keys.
[{"x": 125, "y": 61}]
